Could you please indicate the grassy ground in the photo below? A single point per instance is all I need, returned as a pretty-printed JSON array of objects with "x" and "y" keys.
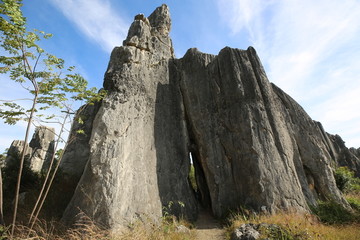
[
  {"x": 301, "y": 227},
  {"x": 168, "y": 230},
  {"x": 329, "y": 220},
  {"x": 293, "y": 226}
]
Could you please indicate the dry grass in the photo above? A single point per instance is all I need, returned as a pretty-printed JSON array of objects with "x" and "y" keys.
[
  {"x": 87, "y": 230},
  {"x": 345, "y": 224},
  {"x": 303, "y": 226},
  {"x": 299, "y": 226}
]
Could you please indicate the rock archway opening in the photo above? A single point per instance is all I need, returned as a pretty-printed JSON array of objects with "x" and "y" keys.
[{"x": 197, "y": 181}]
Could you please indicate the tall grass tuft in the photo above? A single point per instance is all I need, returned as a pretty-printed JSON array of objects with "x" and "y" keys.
[
  {"x": 299, "y": 226},
  {"x": 86, "y": 229}
]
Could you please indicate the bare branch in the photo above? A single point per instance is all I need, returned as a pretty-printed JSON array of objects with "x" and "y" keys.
[
  {"x": 20, "y": 99},
  {"x": 36, "y": 63}
]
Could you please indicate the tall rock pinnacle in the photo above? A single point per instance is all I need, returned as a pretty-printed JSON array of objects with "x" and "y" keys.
[
  {"x": 251, "y": 144},
  {"x": 138, "y": 144}
]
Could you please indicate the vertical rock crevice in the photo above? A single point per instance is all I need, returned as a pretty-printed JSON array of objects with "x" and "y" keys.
[{"x": 202, "y": 194}]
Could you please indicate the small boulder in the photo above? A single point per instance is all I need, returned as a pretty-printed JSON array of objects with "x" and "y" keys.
[
  {"x": 245, "y": 232},
  {"x": 182, "y": 229}
]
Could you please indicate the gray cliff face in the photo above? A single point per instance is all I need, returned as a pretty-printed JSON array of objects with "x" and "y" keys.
[
  {"x": 312, "y": 155},
  {"x": 256, "y": 146},
  {"x": 74, "y": 158},
  {"x": 77, "y": 151},
  {"x": 345, "y": 157},
  {"x": 251, "y": 144},
  {"x": 134, "y": 159}
]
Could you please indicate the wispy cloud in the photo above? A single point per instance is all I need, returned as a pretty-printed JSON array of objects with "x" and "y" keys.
[
  {"x": 96, "y": 19},
  {"x": 241, "y": 14},
  {"x": 311, "y": 50}
]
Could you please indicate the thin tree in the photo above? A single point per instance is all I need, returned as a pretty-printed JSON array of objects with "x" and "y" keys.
[
  {"x": 2, "y": 159},
  {"x": 1, "y": 201},
  {"x": 43, "y": 75}
]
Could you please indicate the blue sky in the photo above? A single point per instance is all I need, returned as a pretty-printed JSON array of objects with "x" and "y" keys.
[{"x": 310, "y": 49}]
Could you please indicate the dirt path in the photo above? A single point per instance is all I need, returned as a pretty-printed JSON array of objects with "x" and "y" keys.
[{"x": 207, "y": 228}]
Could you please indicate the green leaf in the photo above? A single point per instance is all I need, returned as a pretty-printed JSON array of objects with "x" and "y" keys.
[
  {"x": 80, "y": 131},
  {"x": 52, "y": 84}
]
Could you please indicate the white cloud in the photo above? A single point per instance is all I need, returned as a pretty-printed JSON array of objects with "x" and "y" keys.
[
  {"x": 96, "y": 19},
  {"x": 241, "y": 14},
  {"x": 311, "y": 50}
]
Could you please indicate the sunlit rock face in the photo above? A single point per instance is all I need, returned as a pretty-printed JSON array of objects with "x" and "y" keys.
[
  {"x": 38, "y": 153},
  {"x": 343, "y": 156},
  {"x": 138, "y": 158},
  {"x": 251, "y": 144},
  {"x": 42, "y": 144}
]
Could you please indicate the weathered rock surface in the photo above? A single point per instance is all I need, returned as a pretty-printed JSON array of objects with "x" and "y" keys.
[
  {"x": 42, "y": 145},
  {"x": 38, "y": 153},
  {"x": 77, "y": 151},
  {"x": 252, "y": 145},
  {"x": 138, "y": 151},
  {"x": 256, "y": 146},
  {"x": 250, "y": 231},
  {"x": 246, "y": 232},
  {"x": 14, "y": 152},
  {"x": 345, "y": 157},
  {"x": 74, "y": 158}
]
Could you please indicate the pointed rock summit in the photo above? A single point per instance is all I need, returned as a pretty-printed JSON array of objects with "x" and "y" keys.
[
  {"x": 250, "y": 143},
  {"x": 138, "y": 160}
]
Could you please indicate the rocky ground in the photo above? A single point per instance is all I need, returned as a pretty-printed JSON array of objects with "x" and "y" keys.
[{"x": 208, "y": 228}]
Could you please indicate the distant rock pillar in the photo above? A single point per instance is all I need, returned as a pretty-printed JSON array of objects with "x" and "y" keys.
[
  {"x": 38, "y": 153},
  {"x": 14, "y": 152},
  {"x": 42, "y": 145}
]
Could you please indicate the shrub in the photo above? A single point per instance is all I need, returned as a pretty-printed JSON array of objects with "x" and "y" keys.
[
  {"x": 3, "y": 233},
  {"x": 354, "y": 203},
  {"x": 331, "y": 212},
  {"x": 29, "y": 180},
  {"x": 272, "y": 231},
  {"x": 346, "y": 181},
  {"x": 192, "y": 178}
]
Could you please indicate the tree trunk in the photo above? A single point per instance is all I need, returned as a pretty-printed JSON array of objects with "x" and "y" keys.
[
  {"x": 1, "y": 202},
  {"x": 23, "y": 159}
]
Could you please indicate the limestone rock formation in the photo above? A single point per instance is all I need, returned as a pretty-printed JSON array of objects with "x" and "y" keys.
[
  {"x": 14, "y": 152},
  {"x": 42, "y": 145},
  {"x": 138, "y": 147},
  {"x": 345, "y": 157},
  {"x": 77, "y": 151},
  {"x": 38, "y": 153},
  {"x": 256, "y": 146},
  {"x": 74, "y": 159},
  {"x": 246, "y": 232},
  {"x": 251, "y": 144}
]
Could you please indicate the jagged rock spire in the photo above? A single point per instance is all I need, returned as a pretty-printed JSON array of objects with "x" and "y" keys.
[{"x": 138, "y": 141}]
